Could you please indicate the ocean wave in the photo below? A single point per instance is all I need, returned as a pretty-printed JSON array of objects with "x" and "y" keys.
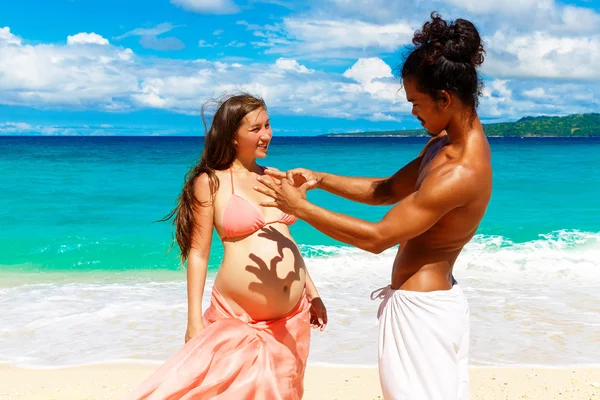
[
  {"x": 558, "y": 254},
  {"x": 531, "y": 303}
]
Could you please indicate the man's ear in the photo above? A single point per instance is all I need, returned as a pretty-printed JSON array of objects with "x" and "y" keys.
[{"x": 444, "y": 100}]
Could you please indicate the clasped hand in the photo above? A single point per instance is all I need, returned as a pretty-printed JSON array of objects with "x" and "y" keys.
[{"x": 288, "y": 190}]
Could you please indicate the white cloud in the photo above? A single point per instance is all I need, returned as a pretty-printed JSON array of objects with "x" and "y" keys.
[
  {"x": 14, "y": 127},
  {"x": 381, "y": 11},
  {"x": 496, "y": 95},
  {"x": 367, "y": 69},
  {"x": 113, "y": 78},
  {"x": 379, "y": 116},
  {"x": 125, "y": 55},
  {"x": 510, "y": 18},
  {"x": 149, "y": 95},
  {"x": 24, "y": 128},
  {"x": 203, "y": 43},
  {"x": 489, "y": 15},
  {"x": 543, "y": 55},
  {"x": 578, "y": 20},
  {"x": 154, "y": 31},
  {"x": 375, "y": 77},
  {"x": 78, "y": 76},
  {"x": 292, "y": 65},
  {"x": 327, "y": 34},
  {"x": 286, "y": 4},
  {"x": 7, "y": 37},
  {"x": 507, "y": 7},
  {"x": 513, "y": 99},
  {"x": 162, "y": 44},
  {"x": 528, "y": 15},
  {"x": 58, "y": 131},
  {"x": 149, "y": 37},
  {"x": 537, "y": 93},
  {"x": 18, "y": 125},
  {"x": 286, "y": 85},
  {"x": 501, "y": 87},
  {"x": 235, "y": 43},
  {"x": 218, "y": 32},
  {"x": 269, "y": 35},
  {"x": 87, "y": 38},
  {"x": 208, "y": 6},
  {"x": 331, "y": 38}
]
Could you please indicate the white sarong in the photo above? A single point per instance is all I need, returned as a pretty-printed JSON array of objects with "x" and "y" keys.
[{"x": 423, "y": 344}]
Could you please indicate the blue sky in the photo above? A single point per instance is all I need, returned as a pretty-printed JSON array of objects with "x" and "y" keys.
[{"x": 86, "y": 67}]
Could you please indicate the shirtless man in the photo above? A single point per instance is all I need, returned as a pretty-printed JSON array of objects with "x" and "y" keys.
[{"x": 440, "y": 198}]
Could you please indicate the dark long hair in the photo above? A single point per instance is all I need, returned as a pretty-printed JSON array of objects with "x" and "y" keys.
[
  {"x": 219, "y": 153},
  {"x": 446, "y": 57}
]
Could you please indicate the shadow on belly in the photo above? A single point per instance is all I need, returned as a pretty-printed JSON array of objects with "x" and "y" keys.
[
  {"x": 270, "y": 282},
  {"x": 266, "y": 270}
]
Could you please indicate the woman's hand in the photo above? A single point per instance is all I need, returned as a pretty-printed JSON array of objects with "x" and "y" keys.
[
  {"x": 318, "y": 313},
  {"x": 192, "y": 330}
]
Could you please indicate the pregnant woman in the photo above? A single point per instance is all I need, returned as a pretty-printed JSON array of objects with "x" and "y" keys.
[{"x": 253, "y": 340}]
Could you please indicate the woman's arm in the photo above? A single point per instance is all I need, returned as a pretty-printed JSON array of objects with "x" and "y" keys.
[
  {"x": 318, "y": 312},
  {"x": 311, "y": 289},
  {"x": 199, "y": 256}
]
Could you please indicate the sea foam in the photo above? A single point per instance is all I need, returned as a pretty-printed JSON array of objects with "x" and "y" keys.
[{"x": 532, "y": 303}]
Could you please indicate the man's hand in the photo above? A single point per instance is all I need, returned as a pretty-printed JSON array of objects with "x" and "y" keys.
[
  {"x": 285, "y": 197},
  {"x": 296, "y": 177},
  {"x": 318, "y": 313}
]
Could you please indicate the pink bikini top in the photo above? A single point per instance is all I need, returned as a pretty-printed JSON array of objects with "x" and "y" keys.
[{"x": 241, "y": 218}]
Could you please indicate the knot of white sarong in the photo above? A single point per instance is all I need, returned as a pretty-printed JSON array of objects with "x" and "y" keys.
[{"x": 380, "y": 293}]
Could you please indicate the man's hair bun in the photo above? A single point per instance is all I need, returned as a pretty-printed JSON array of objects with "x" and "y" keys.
[{"x": 457, "y": 41}]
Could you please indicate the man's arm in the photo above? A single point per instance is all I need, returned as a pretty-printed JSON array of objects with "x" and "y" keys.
[
  {"x": 373, "y": 191},
  {"x": 438, "y": 194}
]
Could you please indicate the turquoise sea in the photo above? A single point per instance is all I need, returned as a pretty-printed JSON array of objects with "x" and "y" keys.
[{"x": 86, "y": 276}]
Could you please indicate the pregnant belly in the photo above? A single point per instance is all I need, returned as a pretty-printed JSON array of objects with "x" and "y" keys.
[{"x": 263, "y": 285}]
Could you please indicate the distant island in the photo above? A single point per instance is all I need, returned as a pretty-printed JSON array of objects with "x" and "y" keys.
[{"x": 576, "y": 125}]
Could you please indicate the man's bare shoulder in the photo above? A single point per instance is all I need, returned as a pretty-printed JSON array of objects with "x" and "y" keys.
[
  {"x": 452, "y": 182},
  {"x": 430, "y": 143}
]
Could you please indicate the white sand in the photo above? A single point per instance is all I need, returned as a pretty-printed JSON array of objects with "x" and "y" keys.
[{"x": 109, "y": 381}]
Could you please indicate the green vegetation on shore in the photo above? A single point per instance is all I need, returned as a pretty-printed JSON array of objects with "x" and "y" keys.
[{"x": 576, "y": 125}]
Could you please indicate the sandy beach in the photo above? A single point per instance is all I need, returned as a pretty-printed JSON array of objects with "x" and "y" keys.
[{"x": 109, "y": 381}]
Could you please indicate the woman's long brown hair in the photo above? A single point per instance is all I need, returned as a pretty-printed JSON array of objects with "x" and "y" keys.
[{"x": 219, "y": 153}]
